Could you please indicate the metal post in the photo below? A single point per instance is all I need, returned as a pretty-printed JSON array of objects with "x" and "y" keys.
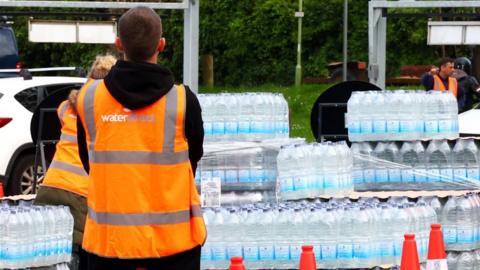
[
  {"x": 190, "y": 44},
  {"x": 298, "y": 68},
  {"x": 345, "y": 39}
]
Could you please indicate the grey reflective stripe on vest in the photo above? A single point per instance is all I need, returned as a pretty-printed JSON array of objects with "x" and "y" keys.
[
  {"x": 68, "y": 138},
  {"x": 139, "y": 157},
  {"x": 138, "y": 219},
  {"x": 88, "y": 112},
  {"x": 67, "y": 167},
  {"x": 170, "y": 122}
]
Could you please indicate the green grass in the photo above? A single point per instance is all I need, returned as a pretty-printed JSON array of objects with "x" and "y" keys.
[{"x": 300, "y": 101}]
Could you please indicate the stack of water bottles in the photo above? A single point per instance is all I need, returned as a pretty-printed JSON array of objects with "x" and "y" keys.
[
  {"x": 313, "y": 170},
  {"x": 248, "y": 166},
  {"x": 344, "y": 234},
  {"x": 244, "y": 116},
  {"x": 33, "y": 236},
  {"x": 460, "y": 221},
  {"x": 442, "y": 165},
  {"x": 401, "y": 115},
  {"x": 469, "y": 260}
]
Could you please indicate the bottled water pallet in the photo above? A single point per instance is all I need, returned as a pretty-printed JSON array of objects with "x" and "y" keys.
[{"x": 229, "y": 187}]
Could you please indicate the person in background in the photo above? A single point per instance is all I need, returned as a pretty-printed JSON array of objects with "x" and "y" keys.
[
  {"x": 441, "y": 78},
  {"x": 66, "y": 182},
  {"x": 468, "y": 84}
]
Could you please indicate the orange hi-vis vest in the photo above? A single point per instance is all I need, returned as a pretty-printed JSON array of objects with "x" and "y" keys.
[
  {"x": 142, "y": 199},
  {"x": 452, "y": 84},
  {"x": 66, "y": 170}
]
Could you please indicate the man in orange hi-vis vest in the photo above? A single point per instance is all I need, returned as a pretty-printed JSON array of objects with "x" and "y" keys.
[
  {"x": 140, "y": 137},
  {"x": 441, "y": 79}
]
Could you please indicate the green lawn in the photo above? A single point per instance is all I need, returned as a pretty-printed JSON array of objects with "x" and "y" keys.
[{"x": 300, "y": 100}]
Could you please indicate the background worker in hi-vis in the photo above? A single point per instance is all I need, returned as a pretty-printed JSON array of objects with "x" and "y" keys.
[{"x": 140, "y": 137}]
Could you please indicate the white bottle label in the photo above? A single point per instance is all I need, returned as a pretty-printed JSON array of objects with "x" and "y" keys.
[
  {"x": 361, "y": 250},
  {"x": 460, "y": 174},
  {"x": 282, "y": 252},
  {"x": 250, "y": 252},
  {"x": 393, "y": 126},
  {"x": 420, "y": 175},
  {"x": 244, "y": 176},
  {"x": 243, "y": 127},
  {"x": 407, "y": 175},
  {"x": 286, "y": 184},
  {"x": 369, "y": 175},
  {"x": 464, "y": 236},
  {"x": 366, "y": 126},
  {"x": 431, "y": 126},
  {"x": 295, "y": 251},
  {"x": 445, "y": 126},
  {"x": 329, "y": 252},
  {"x": 233, "y": 251},
  {"x": 266, "y": 252},
  {"x": 407, "y": 126},
  {"x": 387, "y": 249},
  {"x": 433, "y": 175},
  {"x": 381, "y": 175},
  {"x": 394, "y": 175},
  {"x": 231, "y": 127},
  {"x": 420, "y": 126},
  {"x": 300, "y": 183},
  {"x": 206, "y": 254},
  {"x": 345, "y": 251},
  {"x": 218, "y": 128},
  {"x": 357, "y": 176},
  {"x": 449, "y": 234},
  {"x": 379, "y": 126},
  {"x": 231, "y": 176},
  {"x": 354, "y": 127},
  {"x": 473, "y": 173},
  {"x": 447, "y": 174},
  {"x": 207, "y": 128},
  {"x": 219, "y": 253}
]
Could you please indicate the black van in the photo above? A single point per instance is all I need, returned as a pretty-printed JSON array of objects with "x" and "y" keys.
[{"x": 8, "y": 48}]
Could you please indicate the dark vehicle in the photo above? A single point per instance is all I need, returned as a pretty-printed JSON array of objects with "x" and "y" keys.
[{"x": 8, "y": 48}]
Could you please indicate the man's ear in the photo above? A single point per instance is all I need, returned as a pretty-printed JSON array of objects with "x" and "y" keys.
[
  {"x": 162, "y": 43},
  {"x": 118, "y": 44}
]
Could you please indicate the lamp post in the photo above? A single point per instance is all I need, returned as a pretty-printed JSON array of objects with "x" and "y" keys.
[
  {"x": 298, "y": 68},
  {"x": 345, "y": 39}
]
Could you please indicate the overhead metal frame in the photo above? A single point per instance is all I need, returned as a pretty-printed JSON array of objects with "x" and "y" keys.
[
  {"x": 191, "y": 24},
  {"x": 377, "y": 30}
]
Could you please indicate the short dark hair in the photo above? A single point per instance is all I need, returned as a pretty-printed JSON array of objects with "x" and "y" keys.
[
  {"x": 444, "y": 61},
  {"x": 140, "y": 29}
]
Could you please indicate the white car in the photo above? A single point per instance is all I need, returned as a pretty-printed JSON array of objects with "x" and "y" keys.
[{"x": 18, "y": 99}]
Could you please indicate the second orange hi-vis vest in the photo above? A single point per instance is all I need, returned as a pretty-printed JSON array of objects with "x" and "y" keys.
[
  {"x": 452, "y": 84},
  {"x": 66, "y": 170},
  {"x": 142, "y": 199}
]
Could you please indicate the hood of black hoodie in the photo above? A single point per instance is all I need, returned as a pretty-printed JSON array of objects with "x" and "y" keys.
[{"x": 137, "y": 85}]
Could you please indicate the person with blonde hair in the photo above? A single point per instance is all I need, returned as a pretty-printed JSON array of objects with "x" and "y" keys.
[{"x": 66, "y": 182}]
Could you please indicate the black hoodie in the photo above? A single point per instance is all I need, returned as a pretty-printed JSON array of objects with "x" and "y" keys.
[{"x": 136, "y": 85}]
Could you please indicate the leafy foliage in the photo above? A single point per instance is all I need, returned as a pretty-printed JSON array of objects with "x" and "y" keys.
[{"x": 254, "y": 42}]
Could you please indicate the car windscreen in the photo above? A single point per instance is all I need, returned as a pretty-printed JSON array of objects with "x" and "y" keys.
[{"x": 7, "y": 42}]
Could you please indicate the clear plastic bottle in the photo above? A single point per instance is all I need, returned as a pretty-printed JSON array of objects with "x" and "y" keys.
[
  {"x": 354, "y": 117},
  {"x": 466, "y": 261},
  {"x": 449, "y": 222}
]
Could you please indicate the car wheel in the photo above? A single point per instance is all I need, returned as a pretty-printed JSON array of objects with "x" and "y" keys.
[{"x": 21, "y": 180}]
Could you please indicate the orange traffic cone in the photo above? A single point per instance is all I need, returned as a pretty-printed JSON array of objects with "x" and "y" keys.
[
  {"x": 236, "y": 263},
  {"x": 2, "y": 194},
  {"x": 437, "y": 258},
  {"x": 307, "y": 259},
  {"x": 410, "y": 259}
]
